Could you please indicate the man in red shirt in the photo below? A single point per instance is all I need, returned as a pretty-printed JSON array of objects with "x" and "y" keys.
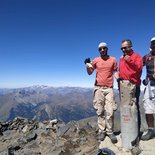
[
  {"x": 103, "y": 102},
  {"x": 130, "y": 69}
]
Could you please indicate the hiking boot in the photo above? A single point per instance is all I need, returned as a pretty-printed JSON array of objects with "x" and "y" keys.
[
  {"x": 136, "y": 141},
  {"x": 148, "y": 135},
  {"x": 112, "y": 138},
  {"x": 101, "y": 136}
]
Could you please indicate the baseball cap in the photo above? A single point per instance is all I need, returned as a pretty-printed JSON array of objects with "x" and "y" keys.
[
  {"x": 153, "y": 39},
  {"x": 102, "y": 44},
  {"x": 152, "y": 46}
]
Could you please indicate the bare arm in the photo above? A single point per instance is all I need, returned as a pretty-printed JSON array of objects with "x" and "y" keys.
[
  {"x": 89, "y": 66},
  {"x": 90, "y": 70},
  {"x": 116, "y": 75}
]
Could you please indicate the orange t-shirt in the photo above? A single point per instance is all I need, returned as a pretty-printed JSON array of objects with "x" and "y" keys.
[{"x": 104, "y": 70}]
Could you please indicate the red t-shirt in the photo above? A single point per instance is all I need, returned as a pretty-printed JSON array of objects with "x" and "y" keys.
[
  {"x": 105, "y": 70},
  {"x": 131, "y": 69}
]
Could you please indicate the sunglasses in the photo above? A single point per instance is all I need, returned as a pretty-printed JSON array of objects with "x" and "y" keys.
[
  {"x": 100, "y": 49},
  {"x": 153, "y": 44},
  {"x": 153, "y": 47},
  {"x": 124, "y": 48}
]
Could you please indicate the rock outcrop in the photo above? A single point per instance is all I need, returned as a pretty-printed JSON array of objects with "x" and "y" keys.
[
  {"x": 24, "y": 137},
  {"x": 28, "y": 137}
]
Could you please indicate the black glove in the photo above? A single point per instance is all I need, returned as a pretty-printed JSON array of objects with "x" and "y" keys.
[
  {"x": 145, "y": 82},
  {"x": 87, "y": 60},
  {"x": 119, "y": 79}
]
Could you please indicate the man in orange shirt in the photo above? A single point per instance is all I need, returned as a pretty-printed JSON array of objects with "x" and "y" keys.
[{"x": 103, "y": 102}]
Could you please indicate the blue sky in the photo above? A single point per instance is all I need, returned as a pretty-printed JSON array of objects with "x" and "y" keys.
[{"x": 45, "y": 42}]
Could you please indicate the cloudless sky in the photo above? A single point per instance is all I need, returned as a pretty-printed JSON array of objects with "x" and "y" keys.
[{"x": 45, "y": 42}]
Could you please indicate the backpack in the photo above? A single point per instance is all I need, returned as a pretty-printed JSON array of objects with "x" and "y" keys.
[{"x": 105, "y": 151}]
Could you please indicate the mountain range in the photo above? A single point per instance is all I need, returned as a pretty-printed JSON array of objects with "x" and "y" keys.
[
  {"x": 42, "y": 102},
  {"x": 45, "y": 102}
]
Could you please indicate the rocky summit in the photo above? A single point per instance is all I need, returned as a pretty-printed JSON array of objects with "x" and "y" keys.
[
  {"x": 24, "y": 137},
  {"x": 29, "y": 137}
]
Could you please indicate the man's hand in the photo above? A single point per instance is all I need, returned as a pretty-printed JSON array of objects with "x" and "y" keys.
[
  {"x": 119, "y": 79},
  {"x": 126, "y": 57},
  {"x": 87, "y": 60},
  {"x": 145, "y": 82},
  {"x": 89, "y": 65}
]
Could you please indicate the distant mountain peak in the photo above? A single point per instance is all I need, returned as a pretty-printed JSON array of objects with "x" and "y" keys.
[{"x": 40, "y": 86}]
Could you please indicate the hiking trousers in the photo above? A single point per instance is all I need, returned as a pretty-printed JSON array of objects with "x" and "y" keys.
[{"x": 104, "y": 105}]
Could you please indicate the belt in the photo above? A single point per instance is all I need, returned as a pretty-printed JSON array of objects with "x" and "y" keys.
[
  {"x": 103, "y": 86},
  {"x": 129, "y": 81}
]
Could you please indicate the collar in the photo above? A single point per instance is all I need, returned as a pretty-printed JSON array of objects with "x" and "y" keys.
[
  {"x": 152, "y": 53},
  {"x": 105, "y": 57},
  {"x": 131, "y": 52}
]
